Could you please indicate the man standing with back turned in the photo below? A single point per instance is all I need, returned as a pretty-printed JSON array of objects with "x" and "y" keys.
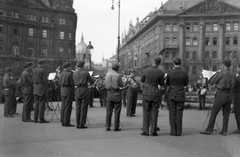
[
  {"x": 152, "y": 77},
  {"x": 40, "y": 91},
  {"x": 224, "y": 82},
  {"x": 114, "y": 97},
  {"x": 176, "y": 81},
  {"x": 81, "y": 78}
]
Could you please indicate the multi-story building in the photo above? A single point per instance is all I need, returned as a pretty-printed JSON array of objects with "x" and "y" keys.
[
  {"x": 201, "y": 32},
  {"x": 36, "y": 29}
]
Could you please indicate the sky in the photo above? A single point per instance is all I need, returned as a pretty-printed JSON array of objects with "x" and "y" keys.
[{"x": 99, "y": 23}]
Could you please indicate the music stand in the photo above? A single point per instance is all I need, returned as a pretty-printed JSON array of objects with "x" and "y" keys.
[{"x": 211, "y": 100}]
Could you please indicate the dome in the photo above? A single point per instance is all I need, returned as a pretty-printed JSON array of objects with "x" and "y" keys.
[{"x": 81, "y": 48}]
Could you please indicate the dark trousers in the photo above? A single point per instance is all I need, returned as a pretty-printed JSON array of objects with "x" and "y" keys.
[
  {"x": 132, "y": 95},
  {"x": 124, "y": 97},
  {"x": 222, "y": 100},
  {"x": 103, "y": 97},
  {"x": 82, "y": 109},
  {"x": 237, "y": 109},
  {"x": 10, "y": 101},
  {"x": 150, "y": 113},
  {"x": 66, "y": 108},
  {"x": 90, "y": 95},
  {"x": 27, "y": 106},
  {"x": 202, "y": 100},
  {"x": 40, "y": 103},
  {"x": 175, "y": 116},
  {"x": 117, "y": 106}
]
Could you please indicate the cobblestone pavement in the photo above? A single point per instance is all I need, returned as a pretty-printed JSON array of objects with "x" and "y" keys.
[{"x": 39, "y": 140}]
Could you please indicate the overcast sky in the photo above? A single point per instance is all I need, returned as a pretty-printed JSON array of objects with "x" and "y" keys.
[{"x": 99, "y": 23}]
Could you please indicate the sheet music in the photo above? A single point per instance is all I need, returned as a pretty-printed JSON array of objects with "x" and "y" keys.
[
  {"x": 207, "y": 73},
  {"x": 52, "y": 76}
]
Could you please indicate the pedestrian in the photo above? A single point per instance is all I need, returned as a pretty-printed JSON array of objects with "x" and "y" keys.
[
  {"x": 152, "y": 96},
  {"x": 81, "y": 79},
  {"x": 67, "y": 94},
  {"x": 27, "y": 92},
  {"x": 132, "y": 94},
  {"x": 40, "y": 81},
  {"x": 176, "y": 81},
  {"x": 8, "y": 93},
  {"x": 114, "y": 97},
  {"x": 124, "y": 89},
  {"x": 101, "y": 87},
  {"x": 224, "y": 82}
]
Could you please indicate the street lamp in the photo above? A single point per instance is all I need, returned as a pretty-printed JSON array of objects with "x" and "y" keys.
[
  {"x": 118, "y": 46},
  {"x": 90, "y": 48}
]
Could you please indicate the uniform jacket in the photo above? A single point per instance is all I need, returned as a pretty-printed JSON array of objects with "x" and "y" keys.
[
  {"x": 27, "y": 82},
  {"x": 8, "y": 85},
  {"x": 152, "y": 77},
  {"x": 66, "y": 82},
  {"x": 176, "y": 80},
  {"x": 40, "y": 81}
]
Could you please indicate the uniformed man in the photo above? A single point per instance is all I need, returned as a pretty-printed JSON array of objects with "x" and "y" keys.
[
  {"x": 40, "y": 91},
  {"x": 67, "y": 93},
  {"x": 101, "y": 87},
  {"x": 132, "y": 95},
  {"x": 224, "y": 83},
  {"x": 81, "y": 78},
  {"x": 8, "y": 93},
  {"x": 176, "y": 81},
  {"x": 236, "y": 101},
  {"x": 152, "y": 96},
  {"x": 114, "y": 97},
  {"x": 27, "y": 92}
]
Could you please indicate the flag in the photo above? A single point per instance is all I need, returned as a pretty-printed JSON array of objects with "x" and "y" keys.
[{"x": 207, "y": 73}]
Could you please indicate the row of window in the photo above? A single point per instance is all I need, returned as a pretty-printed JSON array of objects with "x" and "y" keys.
[
  {"x": 32, "y": 17},
  {"x": 208, "y": 27},
  {"x": 44, "y": 51}
]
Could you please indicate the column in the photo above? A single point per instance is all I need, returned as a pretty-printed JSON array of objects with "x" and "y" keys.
[
  {"x": 221, "y": 41},
  {"x": 182, "y": 40},
  {"x": 161, "y": 39},
  {"x": 201, "y": 49}
]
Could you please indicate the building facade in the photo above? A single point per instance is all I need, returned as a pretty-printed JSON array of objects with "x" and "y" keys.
[
  {"x": 36, "y": 29},
  {"x": 201, "y": 32}
]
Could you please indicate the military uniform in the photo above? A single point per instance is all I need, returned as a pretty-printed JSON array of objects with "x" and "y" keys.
[
  {"x": 40, "y": 92},
  {"x": 236, "y": 101},
  {"x": 176, "y": 79},
  {"x": 8, "y": 93},
  {"x": 132, "y": 95},
  {"x": 67, "y": 93},
  {"x": 101, "y": 87},
  {"x": 113, "y": 83},
  {"x": 152, "y": 96},
  {"x": 81, "y": 79},
  {"x": 224, "y": 83},
  {"x": 27, "y": 92}
]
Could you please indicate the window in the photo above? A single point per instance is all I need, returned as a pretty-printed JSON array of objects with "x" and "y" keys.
[
  {"x": 70, "y": 22},
  {"x": 45, "y": 34},
  {"x": 208, "y": 28},
  {"x": 174, "y": 54},
  {"x": 235, "y": 55},
  {"x": 34, "y": 18},
  {"x": 188, "y": 41},
  {"x": 70, "y": 36},
  {"x": 30, "y": 32},
  {"x": 187, "y": 55},
  {"x": 63, "y": 22},
  {"x": 61, "y": 35},
  {"x": 195, "y": 27},
  {"x": 174, "y": 41},
  {"x": 194, "y": 57},
  {"x": 1, "y": 28},
  {"x": 43, "y": 19},
  {"x": 166, "y": 54},
  {"x": 195, "y": 41},
  {"x": 61, "y": 49},
  {"x": 168, "y": 29},
  {"x": 207, "y": 55},
  {"x": 167, "y": 41},
  {"x": 207, "y": 41},
  {"x": 15, "y": 50},
  {"x": 60, "y": 21},
  {"x": 215, "y": 41},
  {"x": 188, "y": 27},
  {"x": 47, "y": 19},
  {"x": 235, "y": 26},
  {"x": 1, "y": 12},
  {"x": 227, "y": 41},
  {"x": 235, "y": 41},
  {"x": 31, "y": 18},
  {"x": 214, "y": 54},
  {"x": 1, "y": 49},
  {"x": 16, "y": 15},
  {"x": 44, "y": 52},
  {"x": 228, "y": 26},
  {"x": 15, "y": 30},
  {"x": 175, "y": 28},
  {"x": 194, "y": 70},
  {"x": 215, "y": 27}
]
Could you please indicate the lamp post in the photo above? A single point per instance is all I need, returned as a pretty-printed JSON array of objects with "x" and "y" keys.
[
  {"x": 118, "y": 46},
  {"x": 90, "y": 48}
]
